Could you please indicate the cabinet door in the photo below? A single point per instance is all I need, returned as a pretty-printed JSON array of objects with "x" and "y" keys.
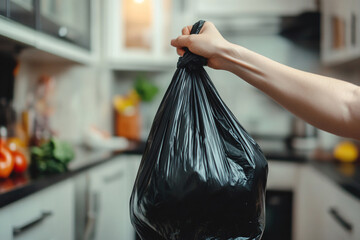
[
  {"x": 22, "y": 11},
  {"x": 48, "y": 214},
  {"x": 138, "y": 32},
  {"x": 109, "y": 202},
  {"x": 66, "y": 19},
  {"x": 336, "y": 227},
  {"x": 132, "y": 162},
  {"x": 247, "y": 7},
  {"x": 324, "y": 211},
  {"x": 310, "y": 198},
  {"x": 3, "y": 7},
  {"x": 341, "y": 216}
]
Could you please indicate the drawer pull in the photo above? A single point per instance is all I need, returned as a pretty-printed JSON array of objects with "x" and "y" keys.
[
  {"x": 340, "y": 220},
  {"x": 21, "y": 229}
]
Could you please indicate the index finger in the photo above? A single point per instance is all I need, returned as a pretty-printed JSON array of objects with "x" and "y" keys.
[{"x": 186, "y": 30}]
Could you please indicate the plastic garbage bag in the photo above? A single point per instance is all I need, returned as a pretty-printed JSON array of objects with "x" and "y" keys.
[{"x": 202, "y": 176}]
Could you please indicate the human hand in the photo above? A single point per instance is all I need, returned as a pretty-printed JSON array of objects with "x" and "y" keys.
[{"x": 209, "y": 43}]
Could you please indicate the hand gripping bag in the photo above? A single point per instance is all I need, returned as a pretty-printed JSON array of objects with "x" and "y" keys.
[{"x": 202, "y": 176}]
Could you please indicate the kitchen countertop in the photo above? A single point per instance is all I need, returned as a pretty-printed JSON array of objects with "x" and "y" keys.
[
  {"x": 346, "y": 175},
  {"x": 20, "y": 186},
  {"x": 17, "y": 187}
]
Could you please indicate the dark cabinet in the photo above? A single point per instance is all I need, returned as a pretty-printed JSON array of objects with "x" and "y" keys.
[
  {"x": 279, "y": 205},
  {"x": 3, "y": 8},
  {"x": 66, "y": 19},
  {"x": 22, "y": 11}
]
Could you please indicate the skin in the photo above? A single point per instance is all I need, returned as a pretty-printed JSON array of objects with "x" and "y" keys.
[{"x": 327, "y": 103}]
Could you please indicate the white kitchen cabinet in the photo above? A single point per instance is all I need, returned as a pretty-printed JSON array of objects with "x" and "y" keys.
[
  {"x": 324, "y": 211},
  {"x": 110, "y": 189},
  {"x": 41, "y": 47},
  {"x": 309, "y": 205},
  {"x": 340, "y": 41},
  {"x": 138, "y": 33},
  {"x": 48, "y": 214},
  {"x": 236, "y": 8},
  {"x": 341, "y": 216}
]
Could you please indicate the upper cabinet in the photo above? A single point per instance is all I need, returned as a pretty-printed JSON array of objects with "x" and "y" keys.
[
  {"x": 3, "y": 8},
  {"x": 22, "y": 11},
  {"x": 51, "y": 29},
  {"x": 66, "y": 19},
  {"x": 340, "y": 31},
  {"x": 236, "y": 8},
  {"x": 138, "y": 34}
]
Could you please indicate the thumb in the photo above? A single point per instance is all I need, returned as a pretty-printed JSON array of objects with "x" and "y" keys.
[{"x": 181, "y": 41}]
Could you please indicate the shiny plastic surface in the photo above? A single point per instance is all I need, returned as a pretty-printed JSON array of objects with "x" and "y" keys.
[{"x": 202, "y": 176}]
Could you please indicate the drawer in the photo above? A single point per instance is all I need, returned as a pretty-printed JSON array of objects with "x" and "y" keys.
[
  {"x": 342, "y": 216},
  {"x": 45, "y": 215},
  {"x": 111, "y": 185}
]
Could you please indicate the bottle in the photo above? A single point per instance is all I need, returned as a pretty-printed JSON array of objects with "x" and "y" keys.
[{"x": 28, "y": 119}]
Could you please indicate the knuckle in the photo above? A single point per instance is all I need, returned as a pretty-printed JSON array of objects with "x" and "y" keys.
[
  {"x": 191, "y": 39},
  {"x": 209, "y": 23}
]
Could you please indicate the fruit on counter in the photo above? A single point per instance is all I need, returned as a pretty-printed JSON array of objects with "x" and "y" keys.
[
  {"x": 17, "y": 141},
  {"x": 51, "y": 157},
  {"x": 134, "y": 97},
  {"x": 6, "y": 161},
  {"x": 20, "y": 162},
  {"x": 123, "y": 104},
  {"x": 346, "y": 152}
]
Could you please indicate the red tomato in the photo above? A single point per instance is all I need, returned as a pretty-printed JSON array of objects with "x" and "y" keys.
[
  {"x": 20, "y": 163},
  {"x": 6, "y": 162}
]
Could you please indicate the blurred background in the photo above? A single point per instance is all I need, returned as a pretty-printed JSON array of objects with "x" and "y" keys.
[{"x": 80, "y": 84}]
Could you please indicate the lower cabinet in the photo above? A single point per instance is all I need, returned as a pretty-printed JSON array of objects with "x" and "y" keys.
[
  {"x": 341, "y": 216},
  {"x": 109, "y": 194},
  {"x": 44, "y": 215},
  {"x": 324, "y": 211}
]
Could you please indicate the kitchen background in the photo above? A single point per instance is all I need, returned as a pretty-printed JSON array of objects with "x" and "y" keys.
[{"x": 77, "y": 63}]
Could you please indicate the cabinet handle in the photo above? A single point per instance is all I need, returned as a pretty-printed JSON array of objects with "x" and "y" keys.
[
  {"x": 113, "y": 177},
  {"x": 21, "y": 229},
  {"x": 63, "y": 32},
  {"x": 340, "y": 220},
  {"x": 91, "y": 223}
]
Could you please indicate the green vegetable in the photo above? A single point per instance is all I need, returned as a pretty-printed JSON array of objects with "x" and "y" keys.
[
  {"x": 145, "y": 89},
  {"x": 51, "y": 157}
]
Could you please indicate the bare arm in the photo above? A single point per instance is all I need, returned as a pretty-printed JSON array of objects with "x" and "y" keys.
[{"x": 327, "y": 103}]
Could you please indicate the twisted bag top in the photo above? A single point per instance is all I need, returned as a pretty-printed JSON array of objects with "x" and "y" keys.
[
  {"x": 202, "y": 176},
  {"x": 191, "y": 60}
]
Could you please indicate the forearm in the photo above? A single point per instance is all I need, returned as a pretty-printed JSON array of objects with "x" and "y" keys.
[{"x": 327, "y": 103}]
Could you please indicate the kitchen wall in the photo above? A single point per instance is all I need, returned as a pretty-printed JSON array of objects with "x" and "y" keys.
[{"x": 81, "y": 97}]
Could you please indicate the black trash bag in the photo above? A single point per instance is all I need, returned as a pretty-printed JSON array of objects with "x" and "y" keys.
[{"x": 202, "y": 176}]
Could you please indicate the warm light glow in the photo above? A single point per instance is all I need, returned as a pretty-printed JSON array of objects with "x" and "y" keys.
[{"x": 139, "y": 1}]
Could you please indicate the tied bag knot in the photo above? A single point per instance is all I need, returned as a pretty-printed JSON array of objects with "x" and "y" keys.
[{"x": 190, "y": 60}]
